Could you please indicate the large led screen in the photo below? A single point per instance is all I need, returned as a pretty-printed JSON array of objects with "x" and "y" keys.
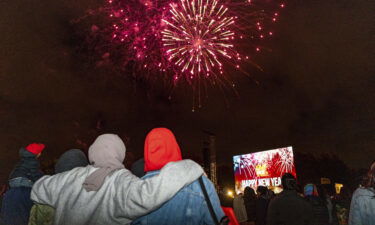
[{"x": 263, "y": 168}]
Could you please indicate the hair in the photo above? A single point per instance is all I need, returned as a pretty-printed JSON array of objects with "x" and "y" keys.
[
  {"x": 369, "y": 181},
  {"x": 289, "y": 182},
  {"x": 249, "y": 193},
  {"x": 270, "y": 194},
  {"x": 345, "y": 193},
  {"x": 262, "y": 190}
]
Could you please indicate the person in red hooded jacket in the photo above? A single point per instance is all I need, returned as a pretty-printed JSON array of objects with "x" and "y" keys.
[{"x": 188, "y": 206}]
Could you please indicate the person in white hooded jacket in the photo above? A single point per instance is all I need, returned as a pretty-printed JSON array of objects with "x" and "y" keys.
[
  {"x": 105, "y": 193},
  {"x": 362, "y": 207}
]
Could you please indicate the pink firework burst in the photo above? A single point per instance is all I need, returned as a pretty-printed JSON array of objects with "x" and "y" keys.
[
  {"x": 199, "y": 35},
  {"x": 197, "y": 42}
]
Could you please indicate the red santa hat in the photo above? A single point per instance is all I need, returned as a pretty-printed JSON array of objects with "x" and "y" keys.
[{"x": 35, "y": 148}]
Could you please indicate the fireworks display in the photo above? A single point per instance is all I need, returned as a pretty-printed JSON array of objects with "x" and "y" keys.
[
  {"x": 197, "y": 42},
  {"x": 198, "y": 34}
]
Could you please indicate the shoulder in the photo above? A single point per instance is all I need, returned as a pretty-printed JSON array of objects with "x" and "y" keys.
[
  {"x": 284, "y": 197},
  {"x": 150, "y": 174},
  {"x": 121, "y": 173},
  {"x": 303, "y": 200},
  {"x": 207, "y": 183},
  {"x": 277, "y": 200},
  {"x": 195, "y": 187},
  {"x": 363, "y": 192},
  {"x": 121, "y": 176},
  {"x": 74, "y": 175}
]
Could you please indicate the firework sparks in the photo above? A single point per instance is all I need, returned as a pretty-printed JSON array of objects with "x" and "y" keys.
[
  {"x": 246, "y": 165},
  {"x": 197, "y": 42},
  {"x": 285, "y": 165},
  {"x": 198, "y": 35}
]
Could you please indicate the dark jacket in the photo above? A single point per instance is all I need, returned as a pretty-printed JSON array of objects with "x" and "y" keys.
[
  {"x": 250, "y": 209},
  {"x": 261, "y": 207},
  {"x": 16, "y": 205},
  {"x": 288, "y": 208},
  {"x": 320, "y": 210},
  {"x": 250, "y": 201},
  {"x": 28, "y": 167}
]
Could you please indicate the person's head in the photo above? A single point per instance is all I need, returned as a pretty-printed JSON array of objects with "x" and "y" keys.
[
  {"x": 345, "y": 193},
  {"x": 70, "y": 160},
  {"x": 249, "y": 192},
  {"x": 322, "y": 194},
  {"x": 138, "y": 167},
  {"x": 106, "y": 153},
  {"x": 262, "y": 191},
  {"x": 160, "y": 148},
  {"x": 35, "y": 148},
  {"x": 108, "y": 150},
  {"x": 310, "y": 190},
  {"x": 289, "y": 182},
  {"x": 369, "y": 181},
  {"x": 322, "y": 191}
]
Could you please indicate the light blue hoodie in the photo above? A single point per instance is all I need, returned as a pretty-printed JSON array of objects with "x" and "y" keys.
[{"x": 362, "y": 208}]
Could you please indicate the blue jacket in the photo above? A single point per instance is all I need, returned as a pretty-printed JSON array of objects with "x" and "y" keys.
[
  {"x": 16, "y": 205},
  {"x": 362, "y": 208},
  {"x": 187, "y": 207}
]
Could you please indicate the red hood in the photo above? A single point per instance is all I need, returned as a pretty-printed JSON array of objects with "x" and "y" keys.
[{"x": 160, "y": 148}]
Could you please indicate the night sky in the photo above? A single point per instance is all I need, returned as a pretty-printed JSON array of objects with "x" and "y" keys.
[{"x": 316, "y": 92}]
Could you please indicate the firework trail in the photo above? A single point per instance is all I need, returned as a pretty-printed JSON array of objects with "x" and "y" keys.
[{"x": 246, "y": 165}]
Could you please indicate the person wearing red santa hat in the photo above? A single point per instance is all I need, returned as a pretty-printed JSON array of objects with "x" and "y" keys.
[
  {"x": 16, "y": 202},
  {"x": 27, "y": 170}
]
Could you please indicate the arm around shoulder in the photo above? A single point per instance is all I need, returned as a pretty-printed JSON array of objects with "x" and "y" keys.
[
  {"x": 147, "y": 195},
  {"x": 45, "y": 190}
]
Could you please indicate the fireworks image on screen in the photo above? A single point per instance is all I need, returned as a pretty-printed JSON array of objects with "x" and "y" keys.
[
  {"x": 245, "y": 166},
  {"x": 285, "y": 163},
  {"x": 266, "y": 165}
]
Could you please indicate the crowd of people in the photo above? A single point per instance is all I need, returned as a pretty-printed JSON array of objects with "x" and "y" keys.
[
  {"x": 312, "y": 204},
  {"x": 162, "y": 188}
]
